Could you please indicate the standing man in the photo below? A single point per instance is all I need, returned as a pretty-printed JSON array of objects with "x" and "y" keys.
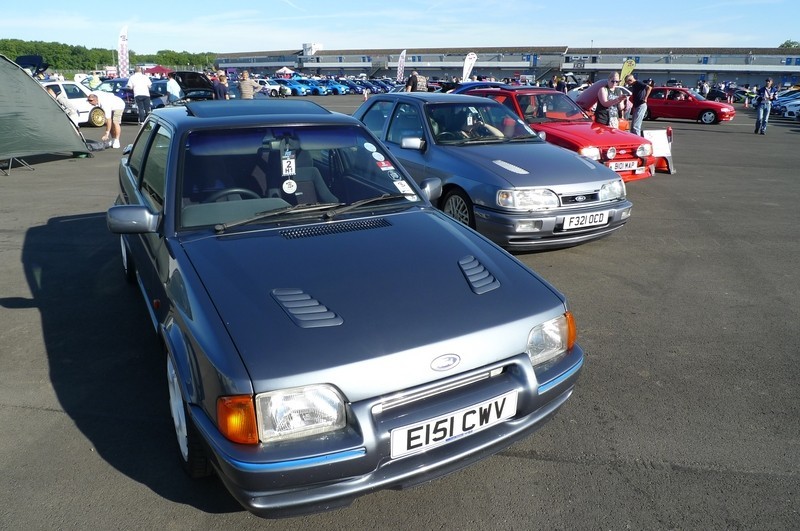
[
  {"x": 141, "y": 84},
  {"x": 416, "y": 83},
  {"x": 113, "y": 107},
  {"x": 248, "y": 87},
  {"x": 174, "y": 92},
  {"x": 764, "y": 97},
  {"x": 640, "y": 93}
]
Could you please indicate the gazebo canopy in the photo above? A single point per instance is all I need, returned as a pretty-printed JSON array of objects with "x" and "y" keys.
[{"x": 158, "y": 69}]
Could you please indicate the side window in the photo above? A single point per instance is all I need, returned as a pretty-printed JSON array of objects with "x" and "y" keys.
[
  {"x": 657, "y": 95},
  {"x": 405, "y": 123},
  {"x": 136, "y": 159},
  {"x": 154, "y": 176},
  {"x": 74, "y": 92},
  {"x": 376, "y": 116}
]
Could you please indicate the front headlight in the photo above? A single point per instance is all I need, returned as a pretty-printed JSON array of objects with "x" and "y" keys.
[
  {"x": 590, "y": 153},
  {"x": 551, "y": 339},
  {"x": 612, "y": 190},
  {"x": 527, "y": 199},
  {"x": 299, "y": 412},
  {"x": 645, "y": 150}
]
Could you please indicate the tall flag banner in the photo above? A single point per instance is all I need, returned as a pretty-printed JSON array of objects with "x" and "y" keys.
[
  {"x": 627, "y": 68},
  {"x": 123, "y": 66},
  {"x": 469, "y": 62},
  {"x": 401, "y": 66}
]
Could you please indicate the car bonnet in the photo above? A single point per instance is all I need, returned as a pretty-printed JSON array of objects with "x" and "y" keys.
[
  {"x": 531, "y": 164},
  {"x": 392, "y": 286},
  {"x": 589, "y": 133}
]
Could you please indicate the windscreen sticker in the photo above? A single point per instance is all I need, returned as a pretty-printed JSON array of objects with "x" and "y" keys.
[
  {"x": 370, "y": 147},
  {"x": 385, "y": 165},
  {"x": 288, "y": 166},
  {"x": 404, "y": 188},
  {"x": 394, "y": 175},
  {"x": 289, "y": 186},
  {"x": 378, "y": 157}
]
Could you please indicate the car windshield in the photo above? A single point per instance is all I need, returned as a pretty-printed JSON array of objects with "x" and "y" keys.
[
  {"x": 231, "y": 176},
  {"x": 550, "y": 107},
  {"x": 460, "y": 123},
  {"x": 696, "y": 95}
]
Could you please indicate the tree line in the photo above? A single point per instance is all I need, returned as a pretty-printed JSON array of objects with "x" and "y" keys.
[{"x": 67, "y": 58}]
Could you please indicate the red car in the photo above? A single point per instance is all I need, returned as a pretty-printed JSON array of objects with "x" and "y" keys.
[
  {"x": 565, "y": 124},
  {"x": 686, "y": 104}
]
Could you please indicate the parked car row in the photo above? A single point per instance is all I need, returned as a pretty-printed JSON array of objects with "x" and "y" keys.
[{"x": 264, "y": 233}]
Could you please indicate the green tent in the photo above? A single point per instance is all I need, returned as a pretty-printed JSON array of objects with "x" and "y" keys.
[{"x": 33, "y": 122}]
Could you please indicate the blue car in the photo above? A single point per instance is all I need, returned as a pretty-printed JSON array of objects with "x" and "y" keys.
[
  {"x": 499, "y": 176},
  {"x": 334, "y": 86},
  {"x": 325, "y": 332},
  {"x": 354, "y": 87},
  {"x": 298, "y": 89},
  {"x": 314, "y": 88}
]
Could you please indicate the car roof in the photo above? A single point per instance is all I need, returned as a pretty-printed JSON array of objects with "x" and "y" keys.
[
  {"x": 432, "y": 97},
  {"x": 213, "y": 113},
  {"x": 520, "y": 89}
]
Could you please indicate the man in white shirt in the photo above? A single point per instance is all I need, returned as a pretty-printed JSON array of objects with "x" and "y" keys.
[
  {"x": 141, "y": 84},
  {"x": 113, "y": 107}
]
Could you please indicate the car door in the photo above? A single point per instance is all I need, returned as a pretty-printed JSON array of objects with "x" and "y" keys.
[
  {"x": 407, "y": 121},
  {"x": 144, "y": 183},
  {"x": 681, "y": 105}
]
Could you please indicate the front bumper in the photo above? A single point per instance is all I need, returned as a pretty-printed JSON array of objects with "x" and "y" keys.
[
  {"x": 503, "y": 228},
  {"x": 359, "y": 462}
]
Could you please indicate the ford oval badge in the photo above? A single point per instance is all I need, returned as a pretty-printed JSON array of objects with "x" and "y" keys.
[
  {"x": 580, "y": 198},
  {"x": 446, "y": 362}
]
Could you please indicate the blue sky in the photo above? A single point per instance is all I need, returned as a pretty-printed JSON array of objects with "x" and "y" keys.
[{"x": 214, "y": 26}]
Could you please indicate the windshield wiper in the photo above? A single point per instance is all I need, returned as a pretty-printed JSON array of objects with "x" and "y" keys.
[
  {"x": 258, "y": 216},
  {"x": 332, "y": 213},
  {"x": 524, "y": 137}
]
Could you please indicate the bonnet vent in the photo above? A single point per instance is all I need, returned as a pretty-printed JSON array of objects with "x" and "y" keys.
[
  {"x": 305, "y": 310},
  {"x": 479, "y": 278},
  {"x": 313, "y": 231}
]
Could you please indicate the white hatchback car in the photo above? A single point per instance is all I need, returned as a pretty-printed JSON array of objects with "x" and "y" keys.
[{"x": 76, "y": 93}]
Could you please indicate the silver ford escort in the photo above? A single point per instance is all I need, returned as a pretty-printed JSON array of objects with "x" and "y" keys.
[{"x": 327, "y": 332}]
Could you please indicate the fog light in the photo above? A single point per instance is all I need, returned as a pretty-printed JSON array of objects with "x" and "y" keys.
[
  {"x": 532, "y": 225},
  {"x": 625, "y": 213}
]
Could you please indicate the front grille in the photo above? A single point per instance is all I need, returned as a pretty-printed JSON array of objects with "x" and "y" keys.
[
  {"x": 579, "y": 199},
  {"x": 408, "y": 397}
]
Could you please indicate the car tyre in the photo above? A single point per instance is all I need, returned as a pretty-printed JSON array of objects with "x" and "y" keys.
[
  {"x": 128, "y": 267},
  {"x": 192, "y": 454},
  {"x": 458, "y": 205},
  {"x": 647, "y": 115},
  {"x": 273, "y": 93},
  {"x": 97, "y": 117},
  {"x": 708, "y": 117}
]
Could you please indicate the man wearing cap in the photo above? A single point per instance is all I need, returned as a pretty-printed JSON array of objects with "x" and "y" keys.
[
  {"x": 113, "y": 107},
  {"x": 764, "y": 96}
]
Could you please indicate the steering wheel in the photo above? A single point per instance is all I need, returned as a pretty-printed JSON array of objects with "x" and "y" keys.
[{"x": 216, "y": 196}]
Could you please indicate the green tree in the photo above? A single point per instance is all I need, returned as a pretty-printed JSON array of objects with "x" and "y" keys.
[{"x": 790, "y": 44}]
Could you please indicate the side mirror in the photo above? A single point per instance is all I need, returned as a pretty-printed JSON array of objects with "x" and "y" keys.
[
  {"x": 431, "y": 188},
  {"x": 411, "y": 142},
  {"x": 131, "y": 219}
]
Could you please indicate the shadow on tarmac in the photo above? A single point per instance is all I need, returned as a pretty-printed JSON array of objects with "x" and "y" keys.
[{"x": 105, "y": 365}]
